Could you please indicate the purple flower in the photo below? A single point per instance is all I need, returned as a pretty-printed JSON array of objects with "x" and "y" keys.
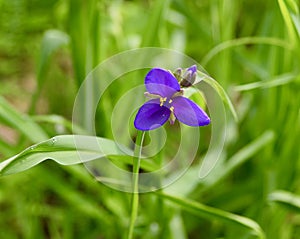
[{"x": 167, "y": 102}]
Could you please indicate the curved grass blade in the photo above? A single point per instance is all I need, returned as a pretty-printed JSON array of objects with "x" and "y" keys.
[
  {"x": 21, "y": 122},
  {"x": 277, "y": 81},
  {"x": 63, "y": 149},
  {"x": 204, "y": 211},
  {"x": 59, "y": 120},
  {"x": 286, "y": 199},
  {"x": 221, "y": 92},
  {"x": 243, "y": 41}
]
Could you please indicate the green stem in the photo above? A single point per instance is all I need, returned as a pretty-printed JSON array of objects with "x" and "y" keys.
[{"x": 135, "y": 181}]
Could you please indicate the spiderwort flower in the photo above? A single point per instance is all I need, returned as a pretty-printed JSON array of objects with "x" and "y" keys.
[{"x": 167, "y": 102}]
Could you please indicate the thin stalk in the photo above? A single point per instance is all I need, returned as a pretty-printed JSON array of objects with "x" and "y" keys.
[
  {"x": 163, "y": 221},
  {"x": 135, "y": 181}
]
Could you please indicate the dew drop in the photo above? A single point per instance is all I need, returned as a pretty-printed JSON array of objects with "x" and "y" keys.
[
  {"x": 32, "y": 147},
  {"x": 54, "y": 140}
]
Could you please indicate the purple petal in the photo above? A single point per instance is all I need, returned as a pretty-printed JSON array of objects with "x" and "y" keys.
[
  {"x": 161, "y": 82},
  {"x": 151, "y": 116},
  {"x": 187, "y": 112}
]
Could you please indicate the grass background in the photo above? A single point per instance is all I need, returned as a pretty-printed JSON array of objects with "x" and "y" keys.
[{"x": 251, "y": 48}]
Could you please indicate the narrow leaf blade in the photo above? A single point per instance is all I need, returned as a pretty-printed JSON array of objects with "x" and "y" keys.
[
  {"x": 219, "y": 89},
  {"x": 63, "y": 149},
  {"x": 286, "y": 199},
  {"x": 21, "y": 122},
  {"x": 204, "y": 211}
]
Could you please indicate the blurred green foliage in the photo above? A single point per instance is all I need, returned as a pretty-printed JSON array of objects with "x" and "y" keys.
[{"x": 251, "y": 48}]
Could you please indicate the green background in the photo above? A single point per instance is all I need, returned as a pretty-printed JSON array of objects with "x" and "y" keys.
[{"x": 251, "y": 47}]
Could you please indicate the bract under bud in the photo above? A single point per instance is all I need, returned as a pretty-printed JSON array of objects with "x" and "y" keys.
[{"x": 178, "y": 73}]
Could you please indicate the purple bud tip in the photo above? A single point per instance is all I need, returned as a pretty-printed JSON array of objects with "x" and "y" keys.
[{"x": 193, "y": 69}]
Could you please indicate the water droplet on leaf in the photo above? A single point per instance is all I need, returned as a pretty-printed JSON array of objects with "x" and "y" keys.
[{"x": 54, "y": 140}]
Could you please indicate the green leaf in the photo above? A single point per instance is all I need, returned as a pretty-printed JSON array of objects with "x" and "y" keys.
[
  {"x": 63, "y": 149},
  {"x": 21, "y": 122},
  {"x": 286, "y": 199},
  {"x": 207, "y": 212},
  {"x": 69, "y": 150}
]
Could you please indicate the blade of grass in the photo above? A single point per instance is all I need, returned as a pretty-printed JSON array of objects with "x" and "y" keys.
[
  {"x": 286, "y": 199},
  {"x": 135, "y": 182},
  {"x": 63, "y": 149},
  {"x": 177, "y": 227},
  {"x": 286, "y": 14},
  {"x": 186, "y": 184},
  {"x": 77, "y": 199},
  {"x": 69, "y": 150},
  {"x": 79, "y": 37},
  {"x": 243, "y": 41},
  {"x": 277, "y": 81},
  {"x": 6, "y": 149},
  {"x": 204, "y": 211},
  {"x": 85, "y": 23},
  {"x": 155, "y": 23},
  {"x": 219, "y": 89},
  {"x": 52, "y": 40},
  {"x": 59, "y": 120},
  {"x": 239, "y": 158},
  {"x": 21, "y": 122}
]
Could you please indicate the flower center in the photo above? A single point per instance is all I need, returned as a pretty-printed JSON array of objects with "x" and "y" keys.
[
  {"x": 162, "y": 100},
  {"x": 166, "y": 102}
]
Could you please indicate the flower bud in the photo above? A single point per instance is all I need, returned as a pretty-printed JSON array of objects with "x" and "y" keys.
[{"x": 177, "y": 73}]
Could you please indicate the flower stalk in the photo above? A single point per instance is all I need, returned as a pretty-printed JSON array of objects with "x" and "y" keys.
[{"x": 135, "y": 181}]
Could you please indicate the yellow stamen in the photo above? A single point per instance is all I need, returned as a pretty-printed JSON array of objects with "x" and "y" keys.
[
  {"x": 172, "y": 108},
  {"x": 152, "y": 96},
  {"x": 162, "y": 100},
  {"x": 170, "y": 101}
]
